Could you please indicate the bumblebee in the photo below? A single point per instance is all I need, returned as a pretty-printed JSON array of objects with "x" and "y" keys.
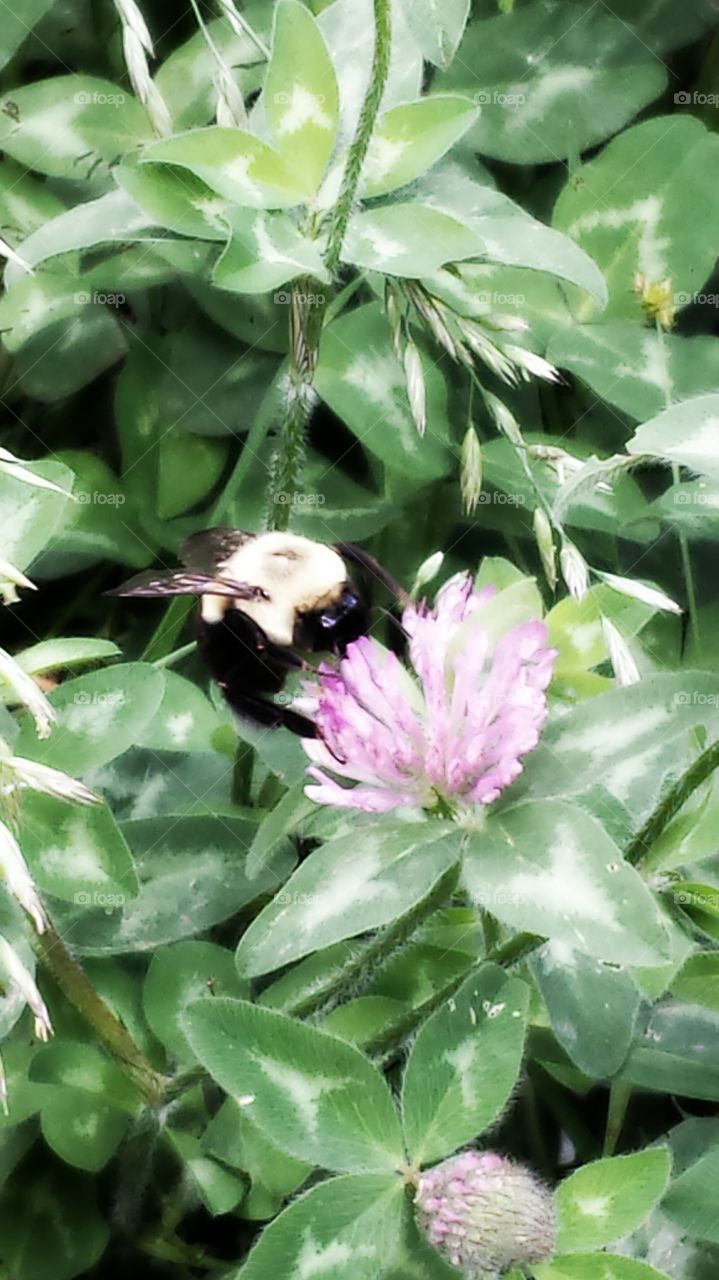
[{"x": 264, "y": 599}]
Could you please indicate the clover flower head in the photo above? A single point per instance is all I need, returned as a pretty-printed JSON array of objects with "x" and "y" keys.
[
  {"x": 452, "y": 733},
  {"x": 485, "y": 1214}
]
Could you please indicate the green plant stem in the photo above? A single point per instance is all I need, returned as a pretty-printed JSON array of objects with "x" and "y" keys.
[
  {"x": 683, "y": 540},
  {"x": 78, "y": 989},
  {"x": 171, "y": 626},
  {"x": 363, "y": 965},
  {"x": 178, "y": 1252},
  {"x": 299, "y": 399},
  {"x": 619, "y": 1096},
  {"x": 533, "y": 1128},
  {"x": 557, "y": 1101},
  {"x": 177, "y": 655},
  {"x": 222, "y": 509},
  {"x": 184, "y": 1081},
  {"x": 696, "y": 774},
  {"x": 340, "y": 300},
  {"x": 687, "y": 568},
  {"x": 253, "y": 36},
  {"x": 363, "y": 135},
  {"x": 386, "y": 1046}
]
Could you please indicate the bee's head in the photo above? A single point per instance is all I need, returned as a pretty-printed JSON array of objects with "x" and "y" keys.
[{"x": 336, "y": 624}]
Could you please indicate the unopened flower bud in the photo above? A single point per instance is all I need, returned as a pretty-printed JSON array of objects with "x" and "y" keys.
[
  {"x": 18, "y": 881},
  {"x": 40, "y": 777},
  {"x": 488, "y": 351},
  {"x": 26, "y": 691},
  {"x": 416, "y": 390},
  {"x": 485, "y": 1214},
  {"x": 545, "y": 544},
  {"x": 131, "y": 16},
  {"x": 230, "y": 111},
  {"x": 575, "y": 570},
  {"x": 12, "y": 578},
  {"x": 504, "y": 419},
  {"x": 471, "y": 475},
  {"x": 394, "y": 319},
  {"x": 530, "y": 364},
  {"x": 14, "y": 971},
  {"x": 625, "y": 668},
  {"x": 427, "y": 571}
]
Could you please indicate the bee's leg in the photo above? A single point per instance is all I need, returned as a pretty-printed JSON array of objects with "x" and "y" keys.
[
  {"x": 299, "y": 724},
  {"x": 250, "y": 670},
  {"x": 263, "y": 711}
]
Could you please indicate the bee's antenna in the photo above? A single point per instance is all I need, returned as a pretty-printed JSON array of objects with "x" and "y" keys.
[{"x": 357, "y": 555}]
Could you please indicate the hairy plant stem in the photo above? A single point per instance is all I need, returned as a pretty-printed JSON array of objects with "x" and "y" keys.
[
  {"x": 387, "y": 1045},
  {"x": 306, "y": 317},
  {"x": 361, "y": 967},
  {"x": 179, "y": 1252},
  {"x": 307, "y": 314},
  {"x": 687, "y": 569},
  {"x": 365, "y": 129},
  {"x": 696, "y": 774},
  {"x": 78, "y": 989}
]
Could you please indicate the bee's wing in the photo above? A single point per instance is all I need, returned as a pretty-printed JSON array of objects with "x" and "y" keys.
[
  {"x": 208, "y": 550},
  {"x": 178, "y": 583}
]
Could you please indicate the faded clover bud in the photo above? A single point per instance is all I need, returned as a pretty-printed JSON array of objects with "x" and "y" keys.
[{"x": 485, "y": 1214}]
